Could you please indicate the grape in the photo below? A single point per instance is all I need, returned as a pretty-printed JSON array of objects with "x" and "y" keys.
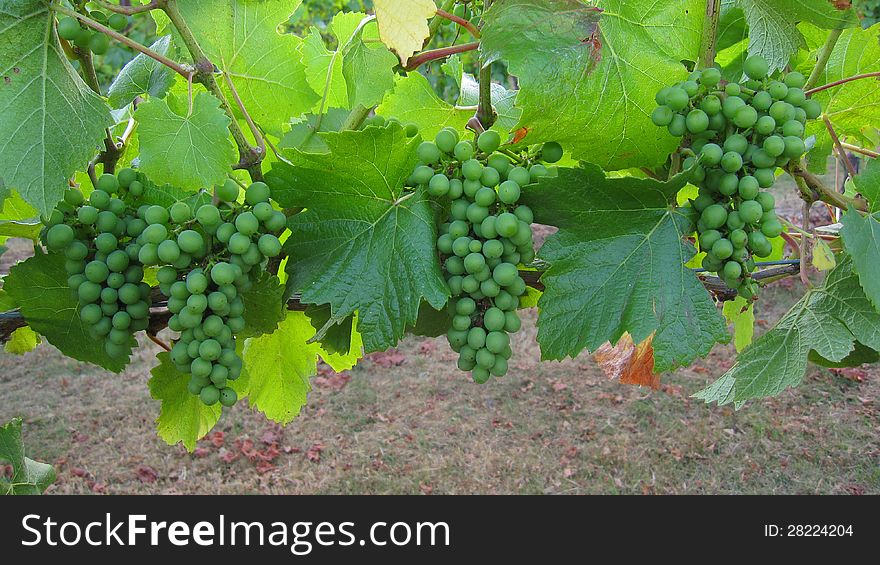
[
  {"x": 207, "y": 215},
  {"x": 677, "y": 99},
  {"x": 490, "y": 177},
  {"x": 489, "y": 141},
  {"x": 256, "y": 193},
  {"x": 269, "y": 245},
  {"x": 551, "y": 152},
  {"x": 438, "y": 185},
  {"x": 463, "y": 151},
  {"x": 678, "y": 127},
  {"x": 446, "y": 140},
  {"x": 99, "y": 43},
  {"x": 745, "y": 117},
  {"x": 68, "y": 28},
  {"x": 59, "y": 237},
  {"x": 662, "y": 116},
  {"x": 697, "y": 121},
  {"x": 428, "y": 153},
  {"x": 756, "y": 67}
]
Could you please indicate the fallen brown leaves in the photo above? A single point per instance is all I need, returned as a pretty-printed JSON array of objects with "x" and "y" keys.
[{"x": 631, "y": 364}]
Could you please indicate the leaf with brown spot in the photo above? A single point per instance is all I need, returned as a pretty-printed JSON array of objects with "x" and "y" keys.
[{"x": 632, "y": 364}]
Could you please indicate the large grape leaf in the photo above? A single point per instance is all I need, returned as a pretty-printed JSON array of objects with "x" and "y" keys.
[
  {"x": 363, "y": 244},
  {"x": 241, "y": 37},
  {"x": 188, "y": 150},
  {"x": 591, "y": 87},
  {"x": 359, "y": 71},
  {"x": 853, "y": 107},
  {"x": 39, "y": 286},
  {"x": 617, "y": 265},
  {"x": 28, "y": 476},
  {"x": 143, "y": 75},
  {"x": 403, "y": 24},
  {"x": 183, "y": 417},
  {"x": 861, "y": 237},
  {"x": 829, "y": 320},
  {"x": 51, "y": 121}
]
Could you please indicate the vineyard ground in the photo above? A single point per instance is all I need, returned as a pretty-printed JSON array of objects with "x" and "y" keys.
[{"x": 408, "y": 422}]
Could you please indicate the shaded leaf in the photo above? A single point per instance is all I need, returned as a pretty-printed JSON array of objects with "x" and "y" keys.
[
  {"x": 142, "y": 75},
  {"x": 28, "y": 476}
]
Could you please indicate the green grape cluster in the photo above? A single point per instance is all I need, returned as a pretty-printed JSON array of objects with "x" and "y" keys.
[
  {"x": 209, "y": 257},
  {"x": 410, "y": 129},
  {"x": 98, "y": 43},
  {"x": 486, "y": 236},
  {"x": 97, "y": 236},
  {"x": 205, "y": 259},
  {"x": 737, "y": 135}
]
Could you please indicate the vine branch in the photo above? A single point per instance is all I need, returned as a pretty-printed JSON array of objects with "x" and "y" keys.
[
  {"x": 710, "y": 34},
  {"x": 812, "y": 91},
  {"x": 822, "y": 61},
  {"x": 433, "y": 54},
  {"x": 825, "y": 193},
  {"x": 176, "y": 67},
  {"x": 841, "y": 154},
  {"x": 471, "y": 28},
  {"x": 485, "y": 113},
  {"x": 860, "y": 150}
]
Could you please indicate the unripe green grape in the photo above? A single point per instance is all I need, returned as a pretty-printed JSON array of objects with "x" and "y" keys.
[
  {"x": 438, "y": 185},
  {"x": 708, "y": 238},
  {"x": 812, "y": 108},
  {"x": 762, "y": 160},
  {"x": 458, "y": 209},
  {"x": 477, "y": 213},
  {"x": 732, "y": 271},
  {"x": 209, "y": 395},
  {"x": 470, "y": 187},
  {"x": 767, "y": 201},
  {"x": 68, "y": 28},
  {"x": 459, "y": 228},
  {"x": 793, "y": 128},
  {"x": 728, "y": 184},
  {"x": 781, "y": 112},
  {"x": 497, "y": 341},
  {"x": 524, "y": 213},
  {"x": 277, "y": 222},
  {"x": 464, "y": 150},
  {"x": 99, "y": 43},
  {"x": 489, "y": 141},
  {"x": 697, "y": 121},
  {"x": 269, "y": 245},
  {"x": 714, "y": 216},
  {"x": 512, "y": 323},
  {"x": 500, "y": 163},
  {"x": 774, "y": 146},
  {"x": 59, "y": 237},
  {"x": 446, "y": 140},
  {"x": 208, "y": 216},
  {"x": 750, "y": 211},
  {"x": 722, "y": 249},
  {"x": 678, "y": 126},
  {"x": 507, "y": 224},
  {"x": 474, "y": 263},
  {"x": 762, "y": 101},
  {"x": 748, "y": 187},
  {"x": 731, "y": 106},
  {"x": 472, "y": 170},
  {"x": 660, "y": 96},
  {"x": 484, "y": 197},
  {"x": 461, "y": 246},
  {"x": 732, "y": 162},
  {"x": 247, "y": 223},
  {"x": 794, "y": 146},
  {"x": 456, "y": 189},
  {"x": 476, "y": 338},
  {"x": 710, "y": 77},
  {"x": 662, "y": 116},
  {"x": 422, "y": 175},
  {"x": 537, "y": 171},
  {"x": 711, "y": 155},
  {"x": 118, "y": 261},
  {"x": 509, "y": 192},
  {"x": 795, "y": 97},
  {"x": 490, "y": 177},
  {"x": 228, "y": 191},
  {"x": 766, "y": 177},
  {"x": 756, "y": 67},
  {"x": 745, "y": 117},
  {"x": 256, "y": 193},
  {"x": 677, "y": 99},
  {"x": 551, "y": 152},
  {"x": 519, "y": 175},
  {"x": 428, "y": 153}
]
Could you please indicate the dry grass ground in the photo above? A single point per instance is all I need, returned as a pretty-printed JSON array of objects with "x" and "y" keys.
[{"x": 421, "y": 427}]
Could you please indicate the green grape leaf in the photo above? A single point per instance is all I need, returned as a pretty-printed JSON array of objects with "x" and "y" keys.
[
  {"x": 431, "y": 322},
  {"x": 853, "y": 107},
  {"x": 368, "y": 68},
  {"x": 861, "y": 237},
  {"x": 617, "y": 265},
  {"x": 51, "y": 121},
  {"x": 190, "y": 151},
  {"x": 772, "y": 24},
  {"x": 860, "y": 355},
  {"x": 279, "y": 366},
  {"x": 867, "y": 183},
  {"x": 264, "y": 306},
  {"x": 183, "y": 417},
  {"x": 26, "y": 230},
  {"x": 22, "y": 340},
  {"x": 413, "y": 100},
  {"x": 7, "y": 303},
  {"x": 604, "y": 72},
  {"x": 303, "y": 134},
  {"x": 323, "y": 71},
  {"x": 336, "y": 337},
  {"x": 828, "y": 320},
  {"x": 403, "y": 24},
  {"x": 741, "y": 313},
  {"x": 39, "y": 286},
  {"x": 363, "y": 244},
  {"x": 241, "y": 37},
  {"x": 28, "y": 476},
  {"x": 143, "y": 75}
]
